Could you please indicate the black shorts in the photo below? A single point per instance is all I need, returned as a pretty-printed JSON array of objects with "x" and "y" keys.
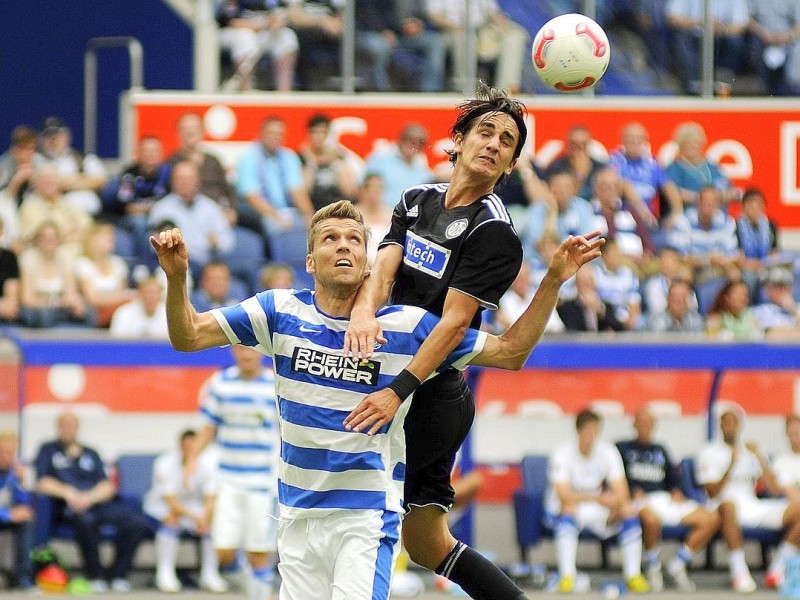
[{"x": 441, "y": 414}]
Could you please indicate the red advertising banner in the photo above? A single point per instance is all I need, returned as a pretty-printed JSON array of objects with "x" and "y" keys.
[{"x": 757, "y": 142}]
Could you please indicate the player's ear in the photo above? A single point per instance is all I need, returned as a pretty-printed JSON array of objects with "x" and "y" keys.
[
  {"x": 458, "y": 140},
  {"x": 510, "y": 167},
  {"x": 310, "y": 266}
]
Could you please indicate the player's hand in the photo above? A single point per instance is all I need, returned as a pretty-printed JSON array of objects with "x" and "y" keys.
[
  {"x": 361, "y": 334},
  {"x": 752, "y": 446},
  {"x": 374, "y": 411},
  {"x": 171, "y": 251},
  {"x": 573, "y": 253},
  {"x": 607, "y": 499}
]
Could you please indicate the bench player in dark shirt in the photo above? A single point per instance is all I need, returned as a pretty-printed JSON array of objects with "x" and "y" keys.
[
  {"x": 653, "y": 481},
  {"x": 452, "y": 249}
]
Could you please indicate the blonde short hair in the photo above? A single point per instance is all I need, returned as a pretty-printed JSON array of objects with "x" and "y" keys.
[{"x": 343, "y": 209}]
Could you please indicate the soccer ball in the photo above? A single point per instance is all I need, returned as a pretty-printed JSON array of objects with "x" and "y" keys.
[{"x": 570, "y": 52}]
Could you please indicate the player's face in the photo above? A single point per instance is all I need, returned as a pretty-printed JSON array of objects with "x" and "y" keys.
[
  {"x": 644, "y": 423},
  {"x": 793, "y": 433},
  {"x": 729, "y": 426},
  {"x": 587, "y": 435},
  {"x": 488, "y": 147},
  {"x": 339, "y": 257}
]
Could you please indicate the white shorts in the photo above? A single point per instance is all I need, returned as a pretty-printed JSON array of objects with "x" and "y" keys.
[
  {"x": 668, "y": 511},
  {"x": 348, "y": 555},
  {"x": 245, "y": 519},
  {"x": 761, "y": 512},
  {"x": 593, "y": 517}
]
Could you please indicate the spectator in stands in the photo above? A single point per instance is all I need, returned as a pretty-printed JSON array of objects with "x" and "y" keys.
[
  {"x": 102, "y": 276},
  {"x": 128, "y": 197},
  {"x": 143, "y": 317},
  {"x": 377, "y": 30},
  {"x": 730, "y": 19},
  {"x": 787, "y": 464},
  {"x": 618, "y": 284},
  {"x": 778, "y": 316},
  {"x": 775, "y": 28},
  {"x": 587, "y": 311},
  {"x": 578, "y": 159},
  {"x": 277, "y": 276},
  {"x": 756, "y": 234},
  {"x": 657, "y": 497},
  {"x": 655, "y": 288},
  {"x": 213, "y": 178},
  {"x": 403, "y": 164},
  {"x": 270, "y": 179},
  {"x": 49, "y": 293},
  {"x": 678, "y": 316},
  {"x": 517, "y": 298},
  {"x": 566, "y": 214},
  {"x": 523, "y": 188},
  {"x": 499, "y": 40},
  {"x": 691, "y": 170},
  {"x": 16, "y": 512},
  {"x": 74, "y": 475},
  {"x": 251, "y": 29},
  {"x": 636, "y": 165},
  {"x": 729, "y": 470},
  {"x": 422, "y": 50},
  {"x": 617, "y": 219},
  {"x": 210, "y": 233},
  {"x": 319, "y": 26},
  {"x": 545, "y": 249},
  {"x": 588, "y": 491},
  {"x": 239, "y": 405},
  {"x": 9, "y": 283},
  {"x": 377, "y": 215},
  {"x": 730, "y": 316},
  {"x": 706, "y": 237},
  {"x": 82, "y": 176},
  {"x": 46, "y": 203},
  {"x": 16, "y": 164},
  {"x": 215, "y": 289},
  {"x": 182, "y": 499},
  {"x": 328, "y": 174}
]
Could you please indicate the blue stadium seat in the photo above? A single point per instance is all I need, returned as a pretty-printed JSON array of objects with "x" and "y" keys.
[
  {"x": 246, "y": 258},
  {"x": 290, "y": 247}
]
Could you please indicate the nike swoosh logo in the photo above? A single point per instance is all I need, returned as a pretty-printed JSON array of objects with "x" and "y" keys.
[{"x": 308, "y": 329}]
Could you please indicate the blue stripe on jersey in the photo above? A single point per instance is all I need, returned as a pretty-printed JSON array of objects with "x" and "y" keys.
[
  {"x": 385, "y": 557},
  {"x": 295, "y": 497},
  {"x": 240, "y": 324},
  {"x": 399, "y": 472},
  {"x": 244, "y": 468},
  {"x": 318, "y": 417},
  {"x": 322, "y": 459},
  {"x": 247, "y": 446},
  {"x": 230, "y": 399},
  {"x": 210, "y": 416}
]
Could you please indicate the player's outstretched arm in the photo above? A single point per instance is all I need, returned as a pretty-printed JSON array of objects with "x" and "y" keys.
[
  {"x": 188, "y": 329},
  {"x": 511, "y": 349}
]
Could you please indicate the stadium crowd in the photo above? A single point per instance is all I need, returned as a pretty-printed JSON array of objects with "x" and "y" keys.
[{"x": 75, "y": 252}]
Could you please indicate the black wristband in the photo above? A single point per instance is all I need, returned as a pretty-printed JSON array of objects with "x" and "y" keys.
[{"x": 404, "y": 384}]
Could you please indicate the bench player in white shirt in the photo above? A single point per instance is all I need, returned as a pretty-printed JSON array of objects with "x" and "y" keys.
[
  {"x": 339, "y": 525},
  {"x": 588, "y": 491},
  {"x": 787, "y": 470},
  {"x": 729, "y": 470}
]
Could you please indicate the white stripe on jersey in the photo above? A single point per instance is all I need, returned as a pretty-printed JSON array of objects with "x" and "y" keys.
[
  {"x": 497, "y": 208},
  {"x": 324, "y": 467},
  {"x": 246, "y": 417}
]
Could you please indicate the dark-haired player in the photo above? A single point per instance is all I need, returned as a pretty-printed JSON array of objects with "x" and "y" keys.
[{"x": 452, "y": 250}]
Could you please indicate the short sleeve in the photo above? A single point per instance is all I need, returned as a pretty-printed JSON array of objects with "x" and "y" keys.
[
  {"x": 250, "y": 322},
  {"x": 490, "y": 261},
  {"x": 613, "y": 459},
  {"x": 710, "y": 467},
  {"x": 398, "y": 227},
  {"x": 293, "y": 170},
  {"x": 247, "y": 174},
  {"x": 558, "y": 471},
  {"x": 783, "y": 472}
]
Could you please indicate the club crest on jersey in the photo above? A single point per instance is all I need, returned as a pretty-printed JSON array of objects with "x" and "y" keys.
[
  {"x": 413, "y": 211},
  {"x": 456, "y": 228},
  {"x": 335, "y": 366},
  {"x": 425, "y": 256}
]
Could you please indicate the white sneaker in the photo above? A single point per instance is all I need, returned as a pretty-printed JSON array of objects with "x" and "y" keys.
[
  {"x": 212, "y": 582},
  {"x": 120, "y": 585},
  {"x": 98, "y": 586},
  {"x": 744, "y": 584},
  {"x": 167, "y": 582},
  {"x": 677, "y": 571},
  {"x": 654, "y": 577}
]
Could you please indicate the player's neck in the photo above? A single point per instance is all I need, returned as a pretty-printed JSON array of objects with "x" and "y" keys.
[
  {"x": 333, "y": 302},
  {"x": 464, "y": 191}
]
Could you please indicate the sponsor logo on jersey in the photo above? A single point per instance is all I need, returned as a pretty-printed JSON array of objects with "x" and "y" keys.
[
  {"x": 425, "y": 256},
  {"x": 456, "y": 228},
  {"x": 413, "y": 211},
  {"x": 335, "y": 366}
]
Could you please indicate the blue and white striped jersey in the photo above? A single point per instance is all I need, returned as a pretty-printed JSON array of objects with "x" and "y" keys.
[
  {"x": 245, "y": 414},
  {"x": 323, "y": 467}
]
